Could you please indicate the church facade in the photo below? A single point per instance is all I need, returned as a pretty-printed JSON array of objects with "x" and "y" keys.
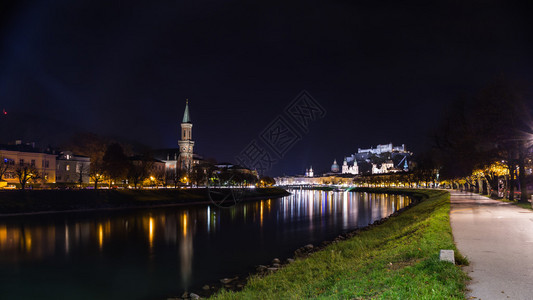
[
  {"x": 309, "y": 172},
  {"x": 350, "y": 169}
]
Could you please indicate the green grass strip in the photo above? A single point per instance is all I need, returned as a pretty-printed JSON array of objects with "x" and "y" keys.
[{"x": 396, "y": 260}]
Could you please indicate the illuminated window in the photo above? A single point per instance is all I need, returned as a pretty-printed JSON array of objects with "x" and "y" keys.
[{"x": 68, "y": 167}]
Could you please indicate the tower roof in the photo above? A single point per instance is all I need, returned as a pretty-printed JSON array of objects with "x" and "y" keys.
[
  {"x": 186, "y": 117},
  {"x": 335, "y": 166}
]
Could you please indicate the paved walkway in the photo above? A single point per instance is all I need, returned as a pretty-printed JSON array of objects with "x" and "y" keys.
[{"x": 497, "y": 239}]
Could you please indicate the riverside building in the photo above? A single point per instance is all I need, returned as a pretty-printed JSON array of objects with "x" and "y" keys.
[
  {"x": 21, "y": 155},
  {"x": 72, "y": 168}
]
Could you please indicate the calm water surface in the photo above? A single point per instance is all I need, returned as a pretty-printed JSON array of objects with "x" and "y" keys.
[{"x": 156, "y": 253}]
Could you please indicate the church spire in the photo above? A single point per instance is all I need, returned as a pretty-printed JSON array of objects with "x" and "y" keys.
[
  {"x": 185, "y": 143},
  {"x": 186, "y": 117}
]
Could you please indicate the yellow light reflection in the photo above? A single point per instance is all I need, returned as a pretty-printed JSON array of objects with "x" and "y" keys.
[
  {"x": 67, "y": 239},
  {"x": 3, "y": 236},
  {"x": 151, "y": 231},
  {"x": 100, "y": 236},
  {"x": 184, "y": 224},
  {"x": 28, "y": 241},
  {"x": 261, "y": 214},
  {"x": 186, "y": 251}
]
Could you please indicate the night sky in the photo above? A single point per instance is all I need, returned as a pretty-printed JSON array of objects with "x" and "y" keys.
[{"x": 382, "y": 70}]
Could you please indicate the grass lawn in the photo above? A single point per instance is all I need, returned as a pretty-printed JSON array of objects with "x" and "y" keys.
[
  {"x": 396, "y": 260},
  {"x": 524, "y": 205}
]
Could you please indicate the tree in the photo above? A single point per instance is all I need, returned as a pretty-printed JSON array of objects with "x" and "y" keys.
[
  {"x": 96, "y": 172},
  {"x": 491, "y": 173},
  {"x": 88, "y": 144},
  {"x": 201, "y": 173},
  {"x": 92, "y": 146},
  {"x": 5, "y": 165},
  {"x": 455, "y": 141},
  {"x": 267, "y": 181},
  {"x": 249, "y": 178},
  {"x": 173, "y": 175},
  {"x": 115, "y": 163},
  {"x": 479, "y": 131},
  {"x": 139, "y": 169},
  {"x": 82, "y": 171},
  {"x": 137, "y": 173},
  {"x": 198, "y": 175},
  {"x": 26, "y": 173},
  {"x": 426, "y": 169},
  {"x": 503, "y": 120}
]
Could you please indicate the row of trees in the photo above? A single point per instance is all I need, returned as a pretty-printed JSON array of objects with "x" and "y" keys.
[
  {"x": 484, "y": 142},
  {"x": 487, "y": 138},
  {"x": 110, "y": 162},
  {"x": 208, "y": 174},
  {"x": 419, "y": 177},
  {"x": 116, "y": 167}
]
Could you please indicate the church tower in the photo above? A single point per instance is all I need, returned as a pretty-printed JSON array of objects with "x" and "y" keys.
[{"x": 186, "y": 143}]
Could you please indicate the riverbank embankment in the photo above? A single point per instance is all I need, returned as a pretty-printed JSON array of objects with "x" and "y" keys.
[
  {"x": 398, "y": 259},
  {"x": 47, "y": 201}
]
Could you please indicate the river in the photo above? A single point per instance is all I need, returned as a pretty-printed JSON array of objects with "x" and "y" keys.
[{"x": 161, "y": 252}]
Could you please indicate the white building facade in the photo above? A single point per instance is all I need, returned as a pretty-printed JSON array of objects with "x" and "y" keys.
[
  {"x": 72, "y": 168},
  {"x": 350, "y": 169},
  {"x": 386, "y": 167},
  {"x": 383, "y": 148}
]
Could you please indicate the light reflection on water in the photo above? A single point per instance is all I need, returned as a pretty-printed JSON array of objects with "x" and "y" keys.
[{"x": 151, "y": 253}]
